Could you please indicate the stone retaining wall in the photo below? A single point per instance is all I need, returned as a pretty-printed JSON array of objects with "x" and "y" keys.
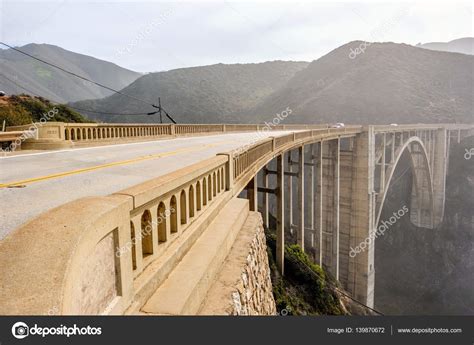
[{"x": 243, "y": 286}]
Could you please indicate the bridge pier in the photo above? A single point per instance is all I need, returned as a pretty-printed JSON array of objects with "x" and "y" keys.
[
  {"x": 439, "y": 169},
  {"x": 300, "y": 235},
  {"x": 319, "y": 204},
  {"x": 290, "y": 192},
  {"x": 280, "y": 196},
  {"x": 252, "y": 194},
  {"x": 265, "y": 199},
  {"x": 311, "y": 196},
  {"x": 360, "y": 279}
]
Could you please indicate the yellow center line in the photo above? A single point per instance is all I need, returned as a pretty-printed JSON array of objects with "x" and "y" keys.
[{"x": 108, "y": 165}]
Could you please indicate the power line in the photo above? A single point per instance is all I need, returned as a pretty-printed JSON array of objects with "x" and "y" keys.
[
  {"x": 89, "y": 80},
  {"x": 69, "y": 106}
]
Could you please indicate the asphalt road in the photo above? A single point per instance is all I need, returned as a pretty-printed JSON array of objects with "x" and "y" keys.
[{"x": 33, "y": 183}]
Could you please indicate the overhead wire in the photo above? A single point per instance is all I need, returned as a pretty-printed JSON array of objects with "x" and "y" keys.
[{"x": 93, "y": 82}]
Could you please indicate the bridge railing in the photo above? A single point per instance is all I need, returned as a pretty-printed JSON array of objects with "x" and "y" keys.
[
  {"x": 245, "y": 160},
  {"x": 94, "y": 131},
  {"x": 50, "y": 135}
]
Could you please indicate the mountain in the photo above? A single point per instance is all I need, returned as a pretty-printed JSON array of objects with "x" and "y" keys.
[
  {"x": 461, "y": 45},
  {"x": 54, "y": 84},
  {"x": 377, "y": 83},
  {"x": 215, "y": 93}
]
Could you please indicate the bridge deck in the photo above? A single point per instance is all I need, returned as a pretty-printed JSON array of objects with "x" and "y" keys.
[{"x": 33, "y": 183}]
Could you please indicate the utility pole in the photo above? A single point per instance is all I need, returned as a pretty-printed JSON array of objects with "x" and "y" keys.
[{"x": 159, "y": 109}]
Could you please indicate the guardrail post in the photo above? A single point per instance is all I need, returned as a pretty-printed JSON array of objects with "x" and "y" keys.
[
  {"x": 229, "y": 170},
  {"x": 172, "y": 129}
]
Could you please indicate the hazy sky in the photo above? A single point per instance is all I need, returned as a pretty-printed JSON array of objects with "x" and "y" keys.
[{"x": 160, "y": 35}]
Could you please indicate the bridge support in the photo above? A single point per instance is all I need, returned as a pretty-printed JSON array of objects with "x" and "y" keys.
[
  {"x": 252, "y": 194},
  {"x": 330, "y": 206},
  {"x": 290, "y": 192},
  {"x": 265, "y": 204},
  {"x": 280, "y": 196},
  {"x": 301, "y": 206},
  {"x": 311, "y": 195},
  {"x": 360, "y": 280},
  {"x": 439, "y": 169},
  {"x": 319, "y": 204}
]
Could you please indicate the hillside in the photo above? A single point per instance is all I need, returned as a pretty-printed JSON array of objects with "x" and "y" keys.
[
  {"x": 462, "y": 45},
  {"x": 387, "y": 83},
  {"x": 55, "y": 84},
  {"x": 216, "y": 93},
  {"x": 24, "y": 109}
]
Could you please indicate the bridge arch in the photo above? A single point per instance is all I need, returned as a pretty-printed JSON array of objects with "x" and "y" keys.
[{"x": 422, "y": 211}]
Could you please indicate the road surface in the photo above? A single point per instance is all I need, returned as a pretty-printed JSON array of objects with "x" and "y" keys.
[{"x": 33, "y": 183}]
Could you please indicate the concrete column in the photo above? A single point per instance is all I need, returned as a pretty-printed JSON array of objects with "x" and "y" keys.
[
  {"x": 252, "y": 194},
  {"x": 448, "y": 149},
  {"x": 334, "y": 149},
  {"x": 290, "y": 192},
  {"x": 361, "y": 265},
  {"x": 439, "y": 174},
  {"x": 392, "y": 149},
  {"x": 311, "y": 190},
  {"x": 319, "y": 204},
  {"x": 345, "y": 197},
  {"x": 280, "y": 195},
  {"x": 265, "y": 208},
  {"x": 382, "y": 165},
  {"x": 301, "y": 207}
]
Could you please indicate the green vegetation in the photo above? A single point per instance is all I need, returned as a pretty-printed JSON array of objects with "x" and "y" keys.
[
  {"x": 305, "y": 289},
  {"x": 43, "y": 73},
  {"x": 24, "y": 109}
]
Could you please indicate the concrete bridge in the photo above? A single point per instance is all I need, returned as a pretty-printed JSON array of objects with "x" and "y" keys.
[{"x": 157, "y": 246}]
